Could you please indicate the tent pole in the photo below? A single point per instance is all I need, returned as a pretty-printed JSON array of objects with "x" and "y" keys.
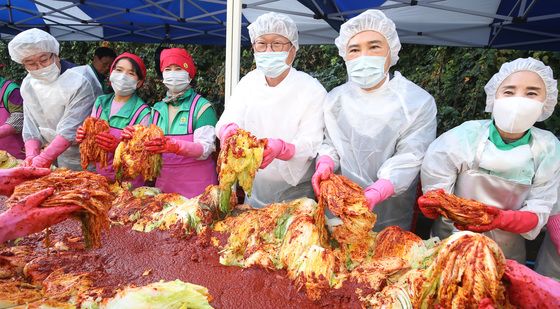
[{"x": 233, "y": 46}]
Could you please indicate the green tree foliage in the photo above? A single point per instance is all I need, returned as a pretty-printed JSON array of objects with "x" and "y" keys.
[{"x": 454, "y": 76}]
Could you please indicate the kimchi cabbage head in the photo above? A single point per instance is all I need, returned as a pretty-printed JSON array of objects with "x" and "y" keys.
[{"x": 171, "y": 294}]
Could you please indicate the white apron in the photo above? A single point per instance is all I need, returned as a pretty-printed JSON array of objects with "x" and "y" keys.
[{"x": 494, "y": 191}]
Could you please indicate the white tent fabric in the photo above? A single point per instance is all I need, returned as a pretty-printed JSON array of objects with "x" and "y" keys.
[
  {"x": 62, "y": 33},
  {"x": 435, "y": 26}
]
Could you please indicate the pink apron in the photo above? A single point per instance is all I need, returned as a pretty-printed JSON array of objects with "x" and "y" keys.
[
  {"x": 186, "y": 176},
  {"x": 108, "y": 171},
  {"x": 11, "y": 143}
]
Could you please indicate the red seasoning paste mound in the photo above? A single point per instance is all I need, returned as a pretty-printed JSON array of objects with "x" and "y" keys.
[{"x": 130, "y": 257}]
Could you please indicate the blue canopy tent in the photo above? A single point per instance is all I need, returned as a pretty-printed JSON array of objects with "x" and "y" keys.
[
  {"x": 194, "y": 22},
  {"x": 518, "y": 24}
]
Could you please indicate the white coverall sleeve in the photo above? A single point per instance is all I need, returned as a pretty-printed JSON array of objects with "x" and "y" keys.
[
  {"x": 206, "y": 136},
  {"x": 78, "y": 109},
  {"x": 403, "y": 167},
  {"x": 450, "y": 154},
  {"x": 544, "y": 189},
  {"x": 30, "y": 127},
  {"x": 439, "y": 171},
  {"x": 327, "y": 149},
  {"x": 308, "y": 139}
]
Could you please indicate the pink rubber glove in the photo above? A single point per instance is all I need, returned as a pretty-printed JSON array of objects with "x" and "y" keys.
[
  {"x": 277, "y": 149},
  {"x": 379, "y": 191},
  {"x": 11, "y": 177},
  {"x": 107, "y": 141},
  {"x": 49, "y": 154},
  {"x": 553, "y": 226},
  {"x": 227, "y": 131},
  {"x": 323, "y": 170},
  {"x": 513, "y": 221},
  {"x": 7, "y": 130},
  {"x": 26, "y": 217},
  {"x": 528, "y": 289},
  {"x": 171, "y": 145},
  {"x": 32, "y": 149},
  {"x": 80, "y": 134},
  {"x": 127, "y": 132}
]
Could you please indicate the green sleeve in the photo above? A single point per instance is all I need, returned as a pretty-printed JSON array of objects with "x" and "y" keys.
[{"x": 208, "y": 116}]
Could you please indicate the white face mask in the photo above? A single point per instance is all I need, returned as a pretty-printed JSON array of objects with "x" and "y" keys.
[
  {"x": 48, "y": 74},
  {"x": 516, "y": 114},
  {"x": 272, "y": 64},
  {"x": 176, "y": 81},
  {"x": 366, "y": 71},
  {"x": 123, "y": 84}
]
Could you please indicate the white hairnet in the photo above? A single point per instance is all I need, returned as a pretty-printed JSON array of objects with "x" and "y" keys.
[
  {"x": 274, "y": 23},
  {"x": 31, "y": 42},
  {"x": 370, "y": 20},
  {"x": 524, "y": 64}
]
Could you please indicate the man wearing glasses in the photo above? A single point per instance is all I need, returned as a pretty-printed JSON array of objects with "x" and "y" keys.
[
  {"x": 55, "y": 102},
  {"x": 277, "y": 102}
]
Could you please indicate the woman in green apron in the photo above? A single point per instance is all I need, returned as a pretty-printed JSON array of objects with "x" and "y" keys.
[
  {"x": 187, "y": 120},
  {"x": 504, "y": 162},
  {"x": 11, "y": 118},
  {"x": 120, "y": 109}
]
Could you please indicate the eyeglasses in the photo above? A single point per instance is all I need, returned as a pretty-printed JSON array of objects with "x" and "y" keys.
[
  {"x": 43, "y": 62},
  {"x": 275, "y": 46}
]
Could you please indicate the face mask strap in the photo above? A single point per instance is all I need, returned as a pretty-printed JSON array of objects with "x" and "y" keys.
[{"x": 288, "y": 51}]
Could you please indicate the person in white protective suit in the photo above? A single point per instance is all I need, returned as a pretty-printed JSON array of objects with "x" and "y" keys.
[
  {"x": 54, "y": 104},
  {"x": 277, "y": 102},
  {"x": 548, "y": 259},
  {"x": 503, "y": 162},
  {"x": 378, "y": 125}
]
